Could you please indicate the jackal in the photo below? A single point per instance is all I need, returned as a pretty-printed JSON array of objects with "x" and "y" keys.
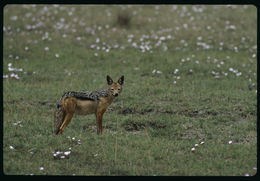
[{"x": 86, "y": 102}]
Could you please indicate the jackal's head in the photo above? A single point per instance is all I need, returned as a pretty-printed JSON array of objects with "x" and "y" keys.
[{"x": 115, "y": 87}]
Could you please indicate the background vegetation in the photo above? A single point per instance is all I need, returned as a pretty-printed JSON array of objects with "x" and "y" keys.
[{"x": 188, "y": 106}]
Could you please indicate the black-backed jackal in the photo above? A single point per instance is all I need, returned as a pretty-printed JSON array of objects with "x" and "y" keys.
[{"x": 86, "y": 102}]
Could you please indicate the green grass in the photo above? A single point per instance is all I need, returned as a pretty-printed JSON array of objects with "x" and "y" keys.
[{"x": 152, "y": 126}]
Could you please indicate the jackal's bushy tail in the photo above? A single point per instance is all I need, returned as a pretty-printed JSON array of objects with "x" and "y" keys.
[{"x": 58, "y": 119}]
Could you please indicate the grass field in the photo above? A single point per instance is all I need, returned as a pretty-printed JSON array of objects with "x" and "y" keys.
[{"x": 188, "y": 105}]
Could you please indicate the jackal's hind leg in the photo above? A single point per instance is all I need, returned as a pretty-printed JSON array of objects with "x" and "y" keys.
[
  {"x": 69, "y": 106},
  {"x": 67, "y": 120}
]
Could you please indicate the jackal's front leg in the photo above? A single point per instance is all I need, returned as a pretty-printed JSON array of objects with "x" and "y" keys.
[{"x": 99, "y": 116}]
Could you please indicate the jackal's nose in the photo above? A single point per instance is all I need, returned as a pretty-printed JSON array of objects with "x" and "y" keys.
[{"x": 116, "y": 94}]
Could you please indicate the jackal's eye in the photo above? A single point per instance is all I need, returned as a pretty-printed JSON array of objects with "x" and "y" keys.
[
  {"x": 119, "y": 89},
  {"x": 112, "y": 89}
]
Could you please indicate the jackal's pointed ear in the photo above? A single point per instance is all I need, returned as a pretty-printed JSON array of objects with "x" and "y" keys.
[
  {"x": 109, "y": 80},
  {"x": 121, "y": 80}
]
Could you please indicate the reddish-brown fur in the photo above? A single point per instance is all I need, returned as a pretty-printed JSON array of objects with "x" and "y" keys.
[{"x": 72, "y": 105}]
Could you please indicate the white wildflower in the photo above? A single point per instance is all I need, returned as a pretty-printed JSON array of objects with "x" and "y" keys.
[
  {"x": 79, "y": 142},
  {"x": 239, "y": 73},
  {"x": 14, "y": 18},
  {"x": 58, "y": 152},
  {"x": 67, "y": 152}
]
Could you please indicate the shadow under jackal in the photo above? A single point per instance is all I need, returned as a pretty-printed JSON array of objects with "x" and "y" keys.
[{"x": 86, "y": 102}]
